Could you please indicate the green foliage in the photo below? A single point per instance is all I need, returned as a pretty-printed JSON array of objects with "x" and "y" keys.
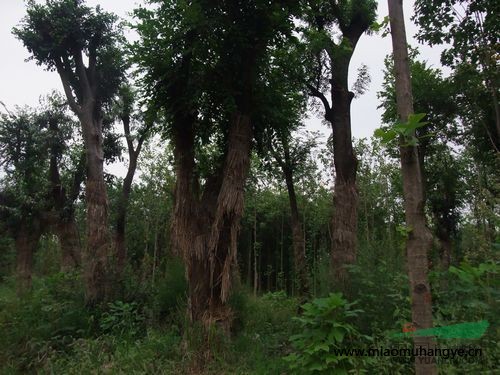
[
  {"x": 324, "y": 325},
  {"x": 404, "y": 130},
  {"x": 121, "y": 318}
]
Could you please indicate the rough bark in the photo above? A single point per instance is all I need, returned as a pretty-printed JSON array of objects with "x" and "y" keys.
[
  {"x": 345, "y": 198},
  {"x": 80, "y": 84},
  {"x": 205, "y": 230},
  {"x": 96, "y": 265},
  {"x": 26, "y": 239},
  {"x": 299, "y": 244},
  {"x": 419, "y": 239}
]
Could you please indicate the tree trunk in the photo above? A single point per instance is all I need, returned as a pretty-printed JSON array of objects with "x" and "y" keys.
[
  {"x": 121, "y": 248},
  {"x": 345, "y": 199},
  {"x": 26, "y": 240},
  {"x": 298, "y": 240},
  {"x": 444, "y": 236},
  {"x": 419, "y": 238},
  {"x": 96, "y": 263},
  {"x": 205, "y": 231},
  {"x": 69, "y": 239}
]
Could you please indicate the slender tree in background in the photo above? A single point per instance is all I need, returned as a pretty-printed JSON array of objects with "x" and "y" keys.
[
  {"x": 128, "y": 116},
  {"x": 331, "y": 72},
  {"x": 59, "y": 35},
  {"x": 419, "y": 237},
  {"x": 290, "y": 154}
]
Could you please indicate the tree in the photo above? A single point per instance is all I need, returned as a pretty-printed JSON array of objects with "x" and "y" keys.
[
  {"x": 436, "y": 97},
  {"x": 23, "y": 194},
  {"x": 419, "y": 237},
  {"x": 128, "y": 115},
  {"x": 471, "y": 29},
  {"x": 204, "y": 72},
  {"x": 290, "y": 156},
  {"x": 330, "y": 72},
  {"x": 59, "y": 35}
]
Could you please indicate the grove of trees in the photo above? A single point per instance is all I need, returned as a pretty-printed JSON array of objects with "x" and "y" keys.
[{"x": 239, "y": 241}]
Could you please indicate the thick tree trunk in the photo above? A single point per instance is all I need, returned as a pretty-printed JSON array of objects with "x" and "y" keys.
[
  {"x": 419, "y": 238},
  {"x": 345, "y": 199},
  {"x": 26, "y": 240},
  {"x": 96, "y": 263},
  {"x": 299, "y": 245},
  {"x": 205, "y": 231}
]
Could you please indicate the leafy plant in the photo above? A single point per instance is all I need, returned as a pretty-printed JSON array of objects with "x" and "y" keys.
[
  {"x": 405, "y": 130},
  {"x": 122, "y": 318},
  {"x": 325, "y": 330}
]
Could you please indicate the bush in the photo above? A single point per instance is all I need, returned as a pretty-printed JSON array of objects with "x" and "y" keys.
[{"x": 324, "y": 328}]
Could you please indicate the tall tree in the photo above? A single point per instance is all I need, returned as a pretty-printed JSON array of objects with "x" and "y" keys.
[
  {"x": 419, "y": 237},
  {"x": 333, "y": 55},
  {"x": 436, "y": 97},
  {"x": 204, "y": 72},
  {"x": 61, "y": 35}
]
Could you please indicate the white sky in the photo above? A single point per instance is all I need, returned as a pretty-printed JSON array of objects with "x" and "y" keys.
[{"x": 22, "y": 83}]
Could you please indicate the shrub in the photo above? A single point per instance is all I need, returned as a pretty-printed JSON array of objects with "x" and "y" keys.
[{"x": 324, "y": 329}]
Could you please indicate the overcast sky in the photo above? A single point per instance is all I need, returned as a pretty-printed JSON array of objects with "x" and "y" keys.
[{"x": 22, "y": 83}]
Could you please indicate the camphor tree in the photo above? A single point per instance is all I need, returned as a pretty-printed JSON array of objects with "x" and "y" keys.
[
  {"x": 63, "y": 35},
  {"x": 200, "y": 62},
  {"x": 331, "y": 55},
  {"x": 419, "y": 237}
]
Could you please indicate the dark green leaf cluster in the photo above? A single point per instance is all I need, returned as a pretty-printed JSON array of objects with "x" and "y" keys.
[{"x": 58, "y": 32}]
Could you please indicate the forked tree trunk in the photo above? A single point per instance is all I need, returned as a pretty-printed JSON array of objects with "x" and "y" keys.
[
  {"x": 419, "y": 238},
  {"x": 96, "y": 258},
  {"x": 205, "y": 231},
  {"x": 345, "y": 198}
]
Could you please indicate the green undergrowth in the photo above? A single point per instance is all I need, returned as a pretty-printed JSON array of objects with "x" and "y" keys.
[{"x": 51, "y": 331}]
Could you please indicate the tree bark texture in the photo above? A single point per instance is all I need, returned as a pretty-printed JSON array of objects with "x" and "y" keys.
[
  {"x": 345, "y": 198},
  {"x": 419, "y": 238},
  {"x": 96, "y": 260},
  {"x": 205, "y": 230}
]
